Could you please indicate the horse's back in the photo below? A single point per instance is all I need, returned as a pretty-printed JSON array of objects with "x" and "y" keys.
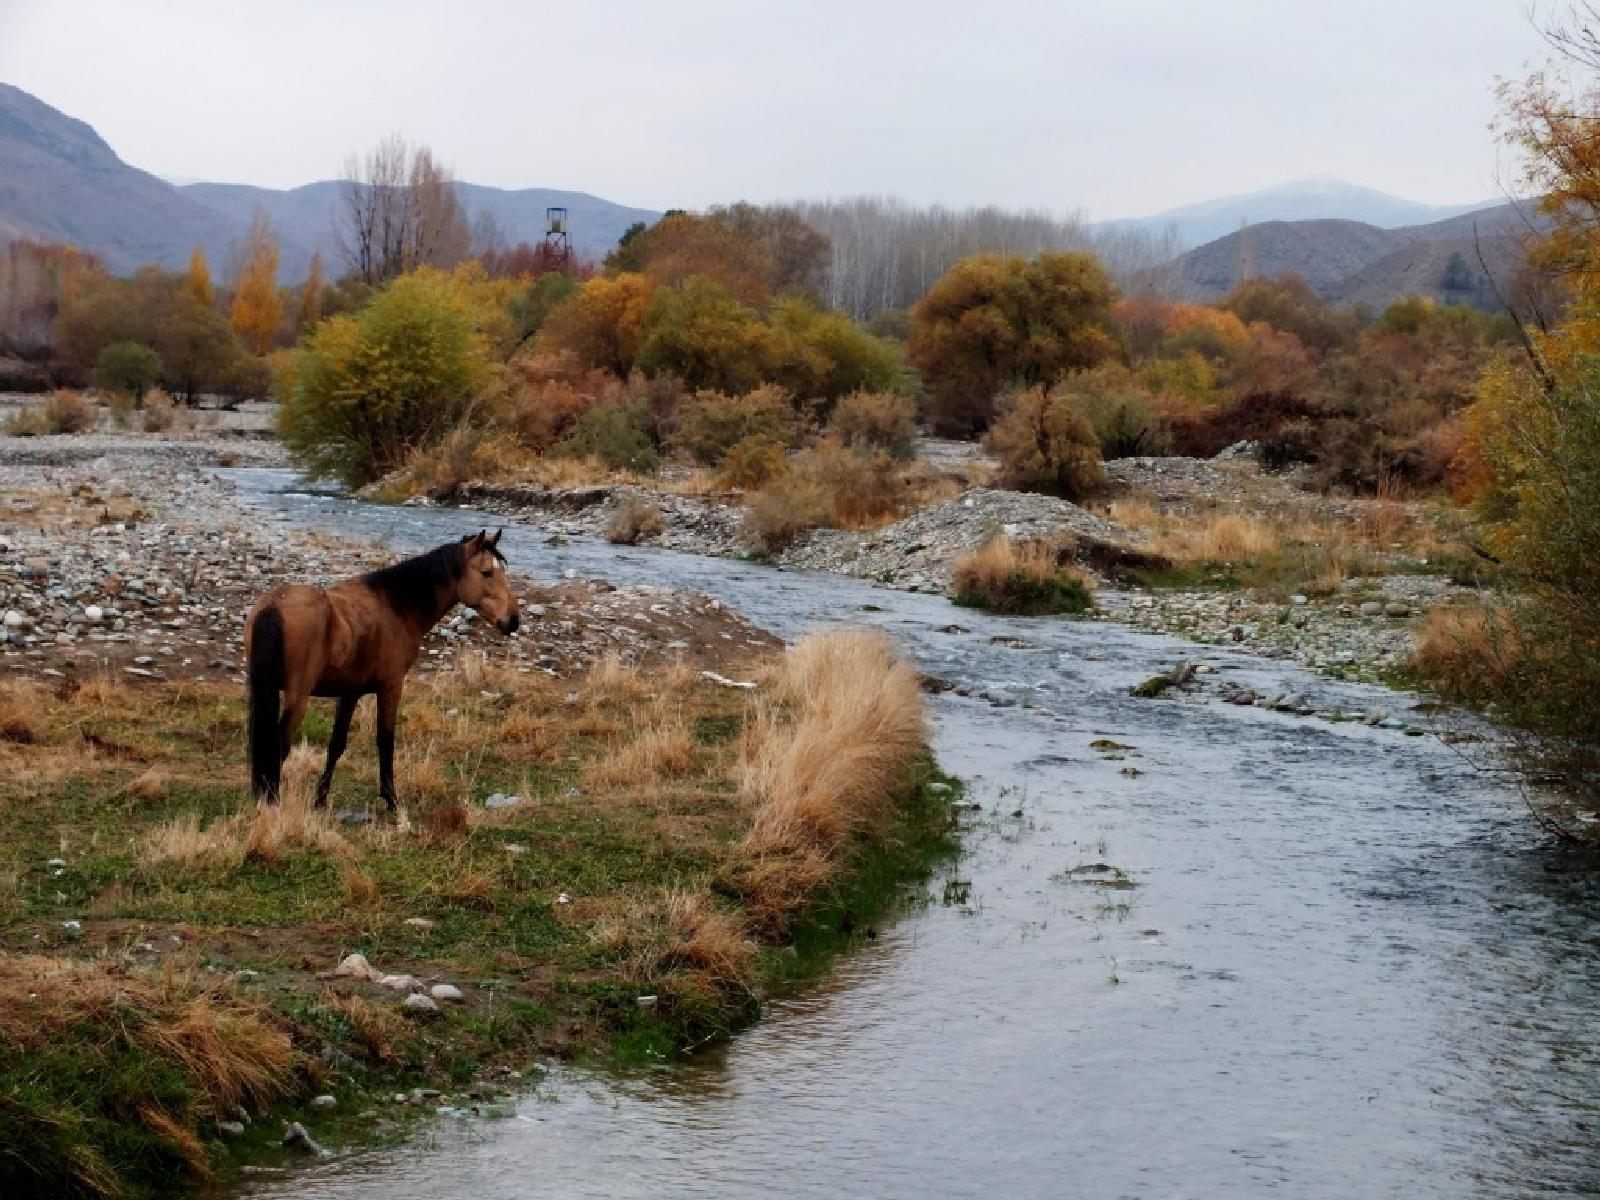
[{"x": 307, "y": 618}]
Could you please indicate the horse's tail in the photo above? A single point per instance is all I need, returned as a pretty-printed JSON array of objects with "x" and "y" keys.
[{"x": 265, "y": 673}]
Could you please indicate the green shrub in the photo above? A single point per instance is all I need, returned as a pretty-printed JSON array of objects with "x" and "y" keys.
[
  {"x": 701, "y": 333},
  {"x": 368, "y": 389},
  {"x": 1542, "y": 446},
  {"x": 616, "y": 434},
  {"x": 127, "y": 369},
  {"x": 1045, "y": 444},
  {"x": 823, "y": 355}
]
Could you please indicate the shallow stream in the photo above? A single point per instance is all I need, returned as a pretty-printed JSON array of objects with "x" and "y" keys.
[{"x": 1333, "y": 961}]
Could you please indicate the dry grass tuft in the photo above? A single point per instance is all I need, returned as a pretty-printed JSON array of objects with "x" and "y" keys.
[
  {"x": 376, "y": 1029},
  {"x": 360, "y": 888},
  {"x": 21, "y": 702},
  {"x": 828, "y": 753},
  {"x": 443, "y": 822},
  {"x": 611, "y": 680},
  {"x": 1023, "y": 578},
  {"x": 267, "y": 833}
]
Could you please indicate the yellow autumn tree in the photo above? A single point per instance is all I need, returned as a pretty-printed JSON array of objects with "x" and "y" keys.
[
  {"x": 257, "y": 306},
  {"x": 198, "y": 280}
]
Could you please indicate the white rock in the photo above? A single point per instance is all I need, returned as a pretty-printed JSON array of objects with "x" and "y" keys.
[
  {"x": 446, "y": 991},
  {"x": 15, "y": 619},
  {"x": 324, "y": 1101},
  {"x": 419, "y": 923},
  {"x": 417, "y": 1002},
  {"x": 356, "y": 966},
  {"x": 400, "y": 983}
]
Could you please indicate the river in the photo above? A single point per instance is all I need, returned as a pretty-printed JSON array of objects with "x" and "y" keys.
[{"x": 1349, "y": 964}]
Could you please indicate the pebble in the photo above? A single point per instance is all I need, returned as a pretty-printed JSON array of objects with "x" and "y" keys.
[
  {"x": 419, "y": 1004},
  {"x": 324, "y": 1101}
]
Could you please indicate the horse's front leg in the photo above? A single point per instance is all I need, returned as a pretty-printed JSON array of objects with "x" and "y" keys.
[
  {"x": 388, "y": 711},
  {"x": 336, "y": 743}
]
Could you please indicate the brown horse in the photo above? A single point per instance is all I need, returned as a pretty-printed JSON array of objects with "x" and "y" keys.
[{"x": 357, "y": 637}]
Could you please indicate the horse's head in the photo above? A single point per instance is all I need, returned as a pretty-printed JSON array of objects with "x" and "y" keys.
[{"x": 483, "y": 585}]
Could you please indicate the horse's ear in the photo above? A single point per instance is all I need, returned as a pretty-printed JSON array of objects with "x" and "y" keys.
[{"x": 495, "y": 540}]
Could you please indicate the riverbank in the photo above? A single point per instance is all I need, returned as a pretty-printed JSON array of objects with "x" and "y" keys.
[
  {"x": 623, "y": 831},
  {"x": 1339, "y": 585}
]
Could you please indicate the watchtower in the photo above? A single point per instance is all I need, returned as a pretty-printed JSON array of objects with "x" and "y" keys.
[{"x": 557, "y": 243}]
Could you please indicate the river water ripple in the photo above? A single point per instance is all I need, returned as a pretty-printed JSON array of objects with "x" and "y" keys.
[{"x": 1350, "y": 966}]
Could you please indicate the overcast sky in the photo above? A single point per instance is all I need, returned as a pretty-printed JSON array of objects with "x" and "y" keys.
[{"x": 1116, "y": 107}]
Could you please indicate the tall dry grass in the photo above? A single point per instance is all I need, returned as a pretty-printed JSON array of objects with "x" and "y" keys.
[
  {"x": 1468, "y": 652},
  {"x": 825, "y": 759}
]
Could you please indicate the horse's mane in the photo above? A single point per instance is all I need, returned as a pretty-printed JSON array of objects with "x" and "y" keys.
[{"x": 413, "y": 584}]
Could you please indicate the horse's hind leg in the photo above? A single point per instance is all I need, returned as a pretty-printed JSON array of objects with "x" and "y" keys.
[
  {"x": 294, "y": 711},
  {"x": 388, "y": 712},
  {"x": 336, "y": 744}
]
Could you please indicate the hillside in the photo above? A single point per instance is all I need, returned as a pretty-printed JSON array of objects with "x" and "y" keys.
[
  {"x": 61, "y": 182},
  {"x": 1301, "y": 200},
  {"x": 1354, "y": 262}
]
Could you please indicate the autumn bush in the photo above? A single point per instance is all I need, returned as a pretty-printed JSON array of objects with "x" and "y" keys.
[
  {"x": 635, "y": 520},
  {"x": 752, "y": 462},
  {"x": 993, "y": 321},
  {"x": 1043, "y": 443},
  {"x": 62, "y": 411},
  {"x": 1540, "y": 443},
  {"x": 711, "y": 423},
  {"x": 369, "y": 388},
  {"x": 826, "y": 486},
  {"x": 885, "y": 421}
]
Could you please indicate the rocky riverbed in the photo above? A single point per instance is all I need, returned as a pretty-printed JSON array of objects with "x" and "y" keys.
[{"x": 122, "y": 550}]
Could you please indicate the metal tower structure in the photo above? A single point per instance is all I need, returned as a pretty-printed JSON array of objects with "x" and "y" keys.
[{"x": 557, "y": 243}]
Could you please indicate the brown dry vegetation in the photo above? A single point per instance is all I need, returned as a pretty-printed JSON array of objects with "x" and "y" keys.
[
  {"x": 689, "y": 823},
  {"x": 1291, "y": 547},
  {"x": 1021, "y": 578}
]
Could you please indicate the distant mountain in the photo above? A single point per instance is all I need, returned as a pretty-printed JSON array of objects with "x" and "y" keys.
[
  {"x": 1302, "y": 200},
  {"x": 61, "y": 182},
  {"x": 1352, "y": 262},
  {"x": 308, "y": 215}
]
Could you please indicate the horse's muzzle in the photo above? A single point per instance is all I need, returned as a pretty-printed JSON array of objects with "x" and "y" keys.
[{"x": 511, "y": 624}]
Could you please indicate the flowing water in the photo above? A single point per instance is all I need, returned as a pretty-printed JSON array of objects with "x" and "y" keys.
[{"x": 1349, "y": 966}]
